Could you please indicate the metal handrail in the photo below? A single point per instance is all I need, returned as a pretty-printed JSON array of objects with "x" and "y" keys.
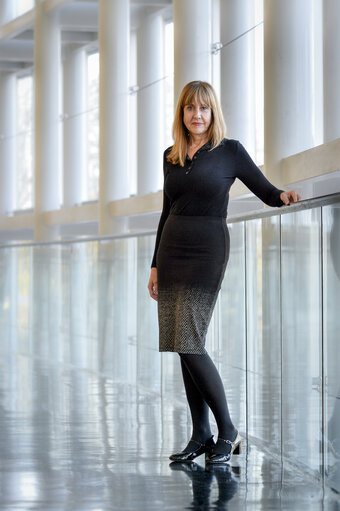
[
  {"x": 314, "y": 202},
  {"x": 323, "y": 200}
]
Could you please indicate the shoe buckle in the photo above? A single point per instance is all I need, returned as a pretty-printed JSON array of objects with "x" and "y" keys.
[{"x": 226, "y": 441}]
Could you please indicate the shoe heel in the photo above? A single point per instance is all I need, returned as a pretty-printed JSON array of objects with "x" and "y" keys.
[{"x": 238, "y": 449}]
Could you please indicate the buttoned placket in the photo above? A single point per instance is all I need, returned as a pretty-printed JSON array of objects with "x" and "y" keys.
[
  {"x": 204, "y": 147},
  {"x": 192, "y": 161}
]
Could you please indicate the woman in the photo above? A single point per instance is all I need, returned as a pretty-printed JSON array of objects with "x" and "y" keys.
[{"x": 191, "y": 255}]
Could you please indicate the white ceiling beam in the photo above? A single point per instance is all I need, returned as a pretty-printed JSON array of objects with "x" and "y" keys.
[
  {"x": 79, "y": 16},
  {"x": 154, "y": 3},
  {"x": 50, "y": 5},
  {"x": 11, "y": 66},
  {"x": 16, "y": 51},
  {"x": 16, "y": 26},
  {"x": 69, "y": 36}
]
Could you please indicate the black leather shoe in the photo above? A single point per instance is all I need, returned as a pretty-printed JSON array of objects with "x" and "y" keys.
[
  {"x": 223, "y": 449},
  {"x": 193, "y": 449}
]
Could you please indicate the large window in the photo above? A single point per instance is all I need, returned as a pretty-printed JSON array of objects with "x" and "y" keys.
[
  {"x": 259, "y": 83},
  {"x": 169, "y": 82},
  {"x": 93, "y": 126},
  {"x": 23, "y": 6},
  {"x": 24, "y": 143}
]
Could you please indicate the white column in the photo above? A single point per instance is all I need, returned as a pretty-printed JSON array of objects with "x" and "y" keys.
[
  {"x": 114, "y": 38},
  {"x": 7, "y": 11},
  {"x": 74, "y": 127},
  {"x": 288, "y": 81},
  {"x": 7, "y": 142},
  {"x": 237, "y": 71},
  {"x": 192, "y": 37},
  {"x": 46, "y": 78},
  {"x": 331, "y": 22},
  {"x": 150, "y": 103}
]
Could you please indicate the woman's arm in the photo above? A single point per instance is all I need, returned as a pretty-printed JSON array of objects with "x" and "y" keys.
[
  {"x": 163, "y": 217},
  {"x": 255, "y": 180},
  {"x": 153, "y": 284}
]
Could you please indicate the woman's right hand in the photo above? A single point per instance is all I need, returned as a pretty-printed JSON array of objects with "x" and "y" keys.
[{"x": 153, "y": 285}]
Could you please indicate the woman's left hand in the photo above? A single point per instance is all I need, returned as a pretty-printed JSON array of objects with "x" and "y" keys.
[{"x": 289, "y": 197}]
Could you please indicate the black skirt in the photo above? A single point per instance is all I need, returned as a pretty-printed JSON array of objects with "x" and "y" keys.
[{"x": 191, "y": 260}]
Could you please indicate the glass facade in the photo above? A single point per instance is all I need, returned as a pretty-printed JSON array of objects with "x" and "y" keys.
[
  {"x": 92, "y": 126},
  {"x": 24, "y": 192}
]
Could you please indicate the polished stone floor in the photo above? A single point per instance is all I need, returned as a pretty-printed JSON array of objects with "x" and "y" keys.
[{"x": 74, "y": 440}]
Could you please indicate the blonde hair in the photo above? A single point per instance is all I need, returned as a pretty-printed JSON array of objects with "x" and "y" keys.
[{"x": 201, "y": 93}]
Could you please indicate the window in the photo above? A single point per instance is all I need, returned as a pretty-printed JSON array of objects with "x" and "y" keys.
[
  {"x": 93, "y": 126},
  {"x": 169, "y": 82},
  {"x": 23, "y": 6},
  {"x": 259, "y": 83},
  {"x": 24, "y": 141}
]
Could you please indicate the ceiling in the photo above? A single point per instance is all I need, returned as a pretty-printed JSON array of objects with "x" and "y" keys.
[{"x": 79, "y": 27}]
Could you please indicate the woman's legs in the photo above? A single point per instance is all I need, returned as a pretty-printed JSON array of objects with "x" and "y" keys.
[
  {"x": 207, "y": 379},
  {"x": 198, "y": 407}
]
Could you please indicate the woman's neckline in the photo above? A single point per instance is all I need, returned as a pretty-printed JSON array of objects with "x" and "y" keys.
[{"x": 198, "y": 149}]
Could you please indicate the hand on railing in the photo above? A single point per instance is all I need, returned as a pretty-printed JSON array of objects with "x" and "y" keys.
[{"x": 289, "y": 197}]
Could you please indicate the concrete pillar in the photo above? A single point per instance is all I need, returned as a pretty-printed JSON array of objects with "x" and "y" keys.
[
  {"x": 74, "y": 127},
  {"x": 114, "y": 38},
  {"x": 7, "y": 142},
  {"x": 237, "y": 71},
  {"x": 331, "y": 73},
  {"x": 288, "y": 81},
  {"x": 150, "y": 129},
  {"x": 46, "y": 79},
  {"x": 192, "y": 37}
]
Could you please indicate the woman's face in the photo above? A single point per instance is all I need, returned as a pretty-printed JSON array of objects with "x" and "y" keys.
[{"x": 197, "y": 118}]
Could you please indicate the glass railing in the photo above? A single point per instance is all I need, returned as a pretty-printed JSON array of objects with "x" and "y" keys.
[{"x": 274, "y": 333}]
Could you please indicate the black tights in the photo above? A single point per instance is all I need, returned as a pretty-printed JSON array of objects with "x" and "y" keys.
[{"x": 204, "y": 390}]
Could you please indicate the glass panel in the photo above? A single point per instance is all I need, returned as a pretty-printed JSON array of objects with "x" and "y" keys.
[
  {"x": 45, "y": 304},
  {"x": 148, "y": 359},
  {"x": 231, "y": 355},
  {"x": 331, "y": 294},
  {"x": 263, "y": 330},
  {"x": 116, "y": 354},
  {"x": 21, "y": 298},
  {"x": 301, "y": 337},
  {"x": 10, "y": 322},
  {"x": 82, "y": 290}
]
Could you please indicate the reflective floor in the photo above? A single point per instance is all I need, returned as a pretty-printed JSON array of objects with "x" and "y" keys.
[{"x": 74, "y": 440}]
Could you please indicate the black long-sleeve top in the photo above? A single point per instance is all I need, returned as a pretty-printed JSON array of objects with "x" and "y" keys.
[{"x": 202, "y": 186}]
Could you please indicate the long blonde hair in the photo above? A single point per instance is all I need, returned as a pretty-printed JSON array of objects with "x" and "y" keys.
[{"x": 201, "y": 93}]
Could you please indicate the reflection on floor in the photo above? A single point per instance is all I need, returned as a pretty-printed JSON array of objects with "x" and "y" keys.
[{"x": 72, "y": 440}]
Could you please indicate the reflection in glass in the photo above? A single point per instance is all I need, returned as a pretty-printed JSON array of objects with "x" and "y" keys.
[
  {"x": 263, "y": 330},
  {"x": 301, "y": 337},
  {"x": 231, "y": 355},
  {"x": 331, "y": 307}
]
